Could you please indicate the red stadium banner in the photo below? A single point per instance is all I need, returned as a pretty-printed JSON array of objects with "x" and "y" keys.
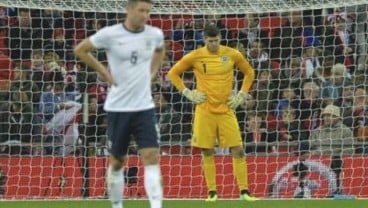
[{"x": 57, "y": 177}]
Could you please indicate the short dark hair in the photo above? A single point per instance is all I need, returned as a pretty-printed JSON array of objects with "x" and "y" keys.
[
  {"x": 211, "y": 30},
  {"x": 130, "y": 2}
]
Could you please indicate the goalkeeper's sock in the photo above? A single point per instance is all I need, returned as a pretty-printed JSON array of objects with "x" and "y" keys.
[
  {"x": 153, "y": 185},
  {"x": 241, "y": 172},
  {"x": 115, "y": 186},
  {"x": 209, "y": 169}
]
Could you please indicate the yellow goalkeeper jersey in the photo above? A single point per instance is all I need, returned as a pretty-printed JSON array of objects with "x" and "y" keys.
[{"x": 214, "y": 73}]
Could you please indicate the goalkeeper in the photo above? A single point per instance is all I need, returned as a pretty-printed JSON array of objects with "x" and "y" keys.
[{"x": 214, "y": 117}]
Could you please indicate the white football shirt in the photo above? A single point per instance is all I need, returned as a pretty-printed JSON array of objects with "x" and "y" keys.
[{"x": 129, "y": 55}]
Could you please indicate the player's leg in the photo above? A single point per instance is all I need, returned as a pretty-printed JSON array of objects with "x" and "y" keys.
[
  {"x": 115, "y": 180},
  {"x": 209, "y": 170},
  {"x": 146, "y": 133},
  {"x": 118, "y": 132},
  {"x": 204, "y": 134},
  {"x": 240, "y": 169},
  {"x": 230, "y": 137}
]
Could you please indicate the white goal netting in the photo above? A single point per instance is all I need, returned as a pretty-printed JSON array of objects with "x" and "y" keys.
[{"x": 304, "y": 129}]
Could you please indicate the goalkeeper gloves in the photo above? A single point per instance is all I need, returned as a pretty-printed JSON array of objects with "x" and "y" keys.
[
  {"x": 235, "y": 101},
  {"x": 195, "y": 96}
]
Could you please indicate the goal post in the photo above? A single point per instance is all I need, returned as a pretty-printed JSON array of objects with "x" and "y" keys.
[{"x": 305, "y": 129}]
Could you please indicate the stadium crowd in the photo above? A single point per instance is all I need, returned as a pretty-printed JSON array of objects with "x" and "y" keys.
[{"x": 309, "y": 96}]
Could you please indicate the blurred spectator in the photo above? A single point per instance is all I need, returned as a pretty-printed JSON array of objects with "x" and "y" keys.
[
  {"x": 94, "y": 131},
  {"x": 19, "y": 123},
  {"x": 51, "y": 20},
  {"x": 263, "y": 91},
  {"x": 22, "y": 80},
  {"x": 339, "y": 78},
  {"x": 60, "y": 114},
  {"x": 329, "y": 91},
  {"x": 310, "y": 61},
  {"x": 257, "y": 54},
  {"x": 39, "y": 75},
  {"x": 360, "y": 117},
  {"x": 242, "y": 113},
  {"x": 37, "y": 62},
  {"x": 346, "y": 102},
  {"x": 290, "y": 39},
  {"x": 359, "y": 12},
  {"x": 340, "y": 41},
  {"x": 3, "y": 21},
  {"x": 289, "y": 129},
  {"x": 6, "y": 68},
  {"x": 310, "y": 107},
  {"x": 164, "y": 69},
  {"x": 256, "y": 132},
  {"x": 288, "y": 98},
  {"x": 174, "y": 51},
  {"x": 168, "y": 119},
  {"x": 290, "y": 75},
  {"x": 189, "y": 34},
  {"x": 333, "y": 138},
  {"x": 182, "y": 104},
  {"x": 252, "y": 32},
  {"x": 24, "y": 36},
  {"x": 59, "y": 45},
  {"x": 55, "y": 100}
]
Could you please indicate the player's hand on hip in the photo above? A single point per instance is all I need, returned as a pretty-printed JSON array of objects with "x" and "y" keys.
[
  {"x": 195, "y": 96},
  {"x": 235, "y": 101}
]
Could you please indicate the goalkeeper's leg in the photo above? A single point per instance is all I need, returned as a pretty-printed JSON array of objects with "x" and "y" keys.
[
  {"x": 209, "y": 169},
  {"x": 115, "y": 181},
  {"x": 241, "y": 173}
]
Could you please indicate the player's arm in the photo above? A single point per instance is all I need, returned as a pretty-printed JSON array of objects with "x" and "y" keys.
[
  {"x": 178, "y": 69},
  {"x": 157, "y": 58},
  {"x": 174, "y": 75},
  {"x": 248, "y": 71},
  {"x": 83, "y": 51}
]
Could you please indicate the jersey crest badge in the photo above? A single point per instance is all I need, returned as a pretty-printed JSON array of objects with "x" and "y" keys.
[{"x": 224, "y": 59}]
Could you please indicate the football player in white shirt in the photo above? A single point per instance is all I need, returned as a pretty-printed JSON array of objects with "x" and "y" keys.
[{"x": 134, "y": 52}]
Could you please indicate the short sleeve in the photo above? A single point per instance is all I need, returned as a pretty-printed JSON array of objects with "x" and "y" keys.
[
  {"x": 160, "y": 38},
  {"x": 101, "y": 38}
]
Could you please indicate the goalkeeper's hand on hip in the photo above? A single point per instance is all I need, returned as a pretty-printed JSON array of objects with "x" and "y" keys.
[
  {"x": 235, "y": 101},
  {"x": 195, "y": 96}
]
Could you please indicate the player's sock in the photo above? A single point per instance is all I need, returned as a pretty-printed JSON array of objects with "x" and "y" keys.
[
  {"x": 209, "y": 169},
  {"x": 241, "y": 172},
  {"x": 115, "y": 186},
  {"x": 153, "y": 185}
]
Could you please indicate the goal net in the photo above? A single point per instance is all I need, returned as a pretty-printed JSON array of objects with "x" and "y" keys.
[{"x": 304, "y": 129}]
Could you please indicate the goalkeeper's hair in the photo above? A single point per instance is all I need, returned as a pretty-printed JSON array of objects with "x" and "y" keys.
[
  {"x": 211, "y": 30},
  {"x": 132, "y": 2}
]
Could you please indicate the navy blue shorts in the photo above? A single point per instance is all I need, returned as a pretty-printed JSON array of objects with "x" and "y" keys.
[{"x": 122, "y": 125}]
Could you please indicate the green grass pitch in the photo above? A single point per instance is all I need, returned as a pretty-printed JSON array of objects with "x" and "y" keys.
[{"x": 189, "y": 204}]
